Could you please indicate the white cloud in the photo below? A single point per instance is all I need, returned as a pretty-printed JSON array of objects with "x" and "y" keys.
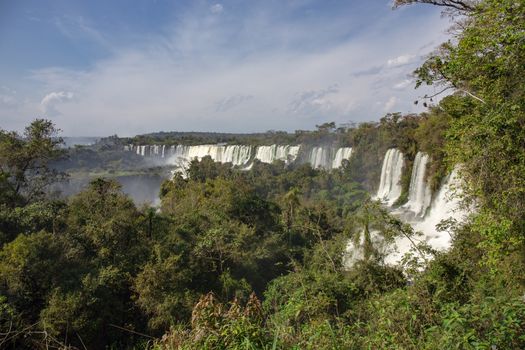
[
  {"x": 205, "y": 72},
  {"x": 50, "y": 101},
  {"x": 78, "y": 27},
  {"x": 314, "y": 101},
  {"x": 401, "y": 60},
  {"x": 403, "y": 84},
  {"x": 217, "y": 8},
  {"x": 391, "y": 103}
]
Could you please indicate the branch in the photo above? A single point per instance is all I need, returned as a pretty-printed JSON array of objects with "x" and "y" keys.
[
  {"x": 131, "y": 331},
  {"x": 438, "y": 93},
  {"x": 455, "y": 4},
  {"x": 472, "y": 95}
]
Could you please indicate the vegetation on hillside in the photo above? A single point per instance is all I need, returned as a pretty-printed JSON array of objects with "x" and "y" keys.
[{"x": 256, "y": 259}]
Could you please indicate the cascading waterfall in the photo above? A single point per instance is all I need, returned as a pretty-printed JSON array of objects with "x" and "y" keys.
[
  {"x": 419, "y": 194},
  {"x": 421, "y": 212},
  {"x": 235, "y": 154},
  {"x": 355, "y": 251},
  {"x": 320, "y": 158},
  {"x": 447, "y": 205},
  {"x": 343, "y": 153},
  {"x": 239, "y": 155},
  {"x": 179, "y": 156},
  {"x": 391, "y": 171},
  {"x": 269, "y": 154}
]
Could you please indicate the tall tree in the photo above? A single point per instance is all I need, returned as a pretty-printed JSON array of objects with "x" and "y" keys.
[{"x": 24, "y": 162}]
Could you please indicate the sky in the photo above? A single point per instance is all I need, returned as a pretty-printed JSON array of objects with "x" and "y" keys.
[{"x": 124, "y": 67}]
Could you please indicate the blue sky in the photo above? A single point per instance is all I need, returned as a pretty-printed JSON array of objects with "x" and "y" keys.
[{"x": 128, "y": 67}]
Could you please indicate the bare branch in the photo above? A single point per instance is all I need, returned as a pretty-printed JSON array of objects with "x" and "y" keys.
[{"x": 460, "y": 5}]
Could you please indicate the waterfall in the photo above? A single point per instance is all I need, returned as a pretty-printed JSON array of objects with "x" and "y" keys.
[
  {"x": 446, "y": 205},
  {"x": 341, "y": 154},
  {"x": 355, "y": 251},
  {"x": 241, "y": 155},
  {"x": 391, "y": 171},
  {"x": 419, "y": 194},
  {"x": 154, "y": 150},
  {"x": 235, "y": 154},
  {"x": 422, "y": 212},
  {"x": 179, "y": 155},
  {"x": 268, "y": 154},
  {"x": 320, "y": 158}
]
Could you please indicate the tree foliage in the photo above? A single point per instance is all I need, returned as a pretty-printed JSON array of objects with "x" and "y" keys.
[{"x": 256, "y": 259}]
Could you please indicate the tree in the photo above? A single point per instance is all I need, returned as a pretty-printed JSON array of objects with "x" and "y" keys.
[
  {"x": 25, "y": 172},
  {"x": 103, "y": 236},
  {"x": 326, "y": 127}
]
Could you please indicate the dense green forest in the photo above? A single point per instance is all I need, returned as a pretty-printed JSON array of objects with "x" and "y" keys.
[
  {"x": 256, "y": 259},
  {"x": 326, "y": 133}
]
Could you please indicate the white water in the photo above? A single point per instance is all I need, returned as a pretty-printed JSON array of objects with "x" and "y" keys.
[
  {"x": 321, "y": 157},
  {"x": 269, "y": 154},
  {"x": 355, "y": 252},
  {"x": 343, "y": 153},
  {"x": 419, "y": 194},
  {"x": 391, "y": 171},
  {"x": 239, "y": 155},
  {"x": 421, "y": 212},
  {"x": 235, "y": 154},
  {"x": 446, "y": 205}
]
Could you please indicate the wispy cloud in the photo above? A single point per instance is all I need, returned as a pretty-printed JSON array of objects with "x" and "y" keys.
[
  {"x": 271, "y": 66},
  {"x": 314, "y": 101},
  {"x": 228, "y": 103},
  {"x": 77, "y": 27},
  {"x": 216, "y": 8}
]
